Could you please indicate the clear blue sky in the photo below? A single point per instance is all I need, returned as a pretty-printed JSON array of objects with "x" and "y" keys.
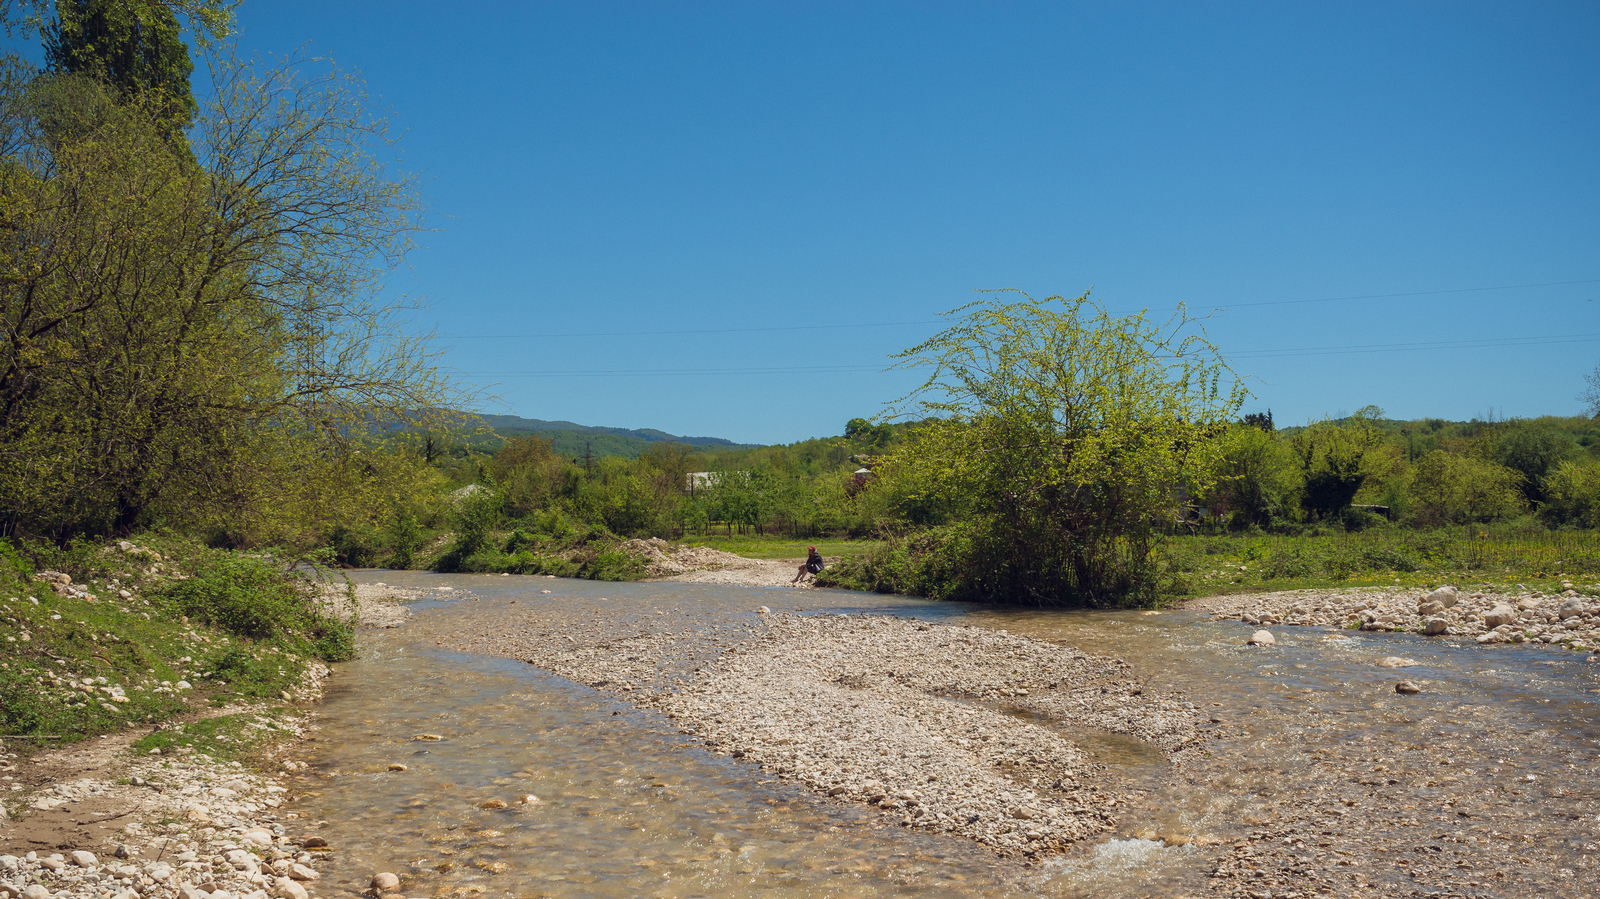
[{"x": 720, "y": 218}]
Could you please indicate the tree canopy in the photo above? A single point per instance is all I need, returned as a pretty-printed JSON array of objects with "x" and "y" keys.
[
  {"x": 134, "y": 48},
  {"x": 202, "y": 336}
]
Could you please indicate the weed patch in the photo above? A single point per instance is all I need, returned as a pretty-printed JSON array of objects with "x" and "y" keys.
[{"x": 223, "y": 737}]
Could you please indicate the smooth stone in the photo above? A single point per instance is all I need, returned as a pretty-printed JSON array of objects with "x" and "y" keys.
[
  {"x": 492, "y": 804},
  {"x": 1501, "y": 614},
  {"x": 1433, "y": 627},
  {"x": 1447, "y": 595},
  {"x": 396, "y": 766},
  {"x": 35, "y": 891},
  {"x": 385, "y": 882},
  {"x": 302, "y": 873},
  {"x": 1395, "y": 662},
  {"x": 284, "y": 888},
  {"x": 83, "y": 858},
  {"x": 1262, "y": 638},
  {"x": 1407, "y": 688}
]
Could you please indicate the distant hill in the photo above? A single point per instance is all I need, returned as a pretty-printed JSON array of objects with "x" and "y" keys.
[{"x": 570, "y": 439}]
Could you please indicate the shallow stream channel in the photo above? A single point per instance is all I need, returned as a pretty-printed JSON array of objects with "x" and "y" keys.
[{"x": 1315, "y": 777}]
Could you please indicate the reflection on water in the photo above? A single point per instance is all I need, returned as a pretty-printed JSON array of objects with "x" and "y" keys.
[{"x": 626, "y": 806}]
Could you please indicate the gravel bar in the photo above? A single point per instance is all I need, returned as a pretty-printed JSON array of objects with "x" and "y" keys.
[{"x": 958, "y": 730}]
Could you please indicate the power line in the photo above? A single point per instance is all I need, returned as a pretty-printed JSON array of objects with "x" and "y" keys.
[
  {"x": 1482, "y": 343},
  {"x": 653, "y": 372},
  {"x": 859, "y": 325},
  {"x": 1418, "y": 293},
  {"x": 689, "y": 331}
]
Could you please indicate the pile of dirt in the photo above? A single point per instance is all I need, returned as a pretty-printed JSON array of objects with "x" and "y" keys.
[{"x": 664, "y": 560}]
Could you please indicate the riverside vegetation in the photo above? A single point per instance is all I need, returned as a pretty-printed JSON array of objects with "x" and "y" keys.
[
  {"x": 190, "y": 435},
  {"x": 237, "y": 383}
]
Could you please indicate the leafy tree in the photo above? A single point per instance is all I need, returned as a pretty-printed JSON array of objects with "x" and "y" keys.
[
  {"x": 869, "y": 434},
  {"x": 1066, "y": 432},
  {"x": 1457, "y": 489},
  {"x": 198, "y": 341},
  {"x": 134, "y": 48},
  {"x": 1262, "y": 420},
  {"x": 1331, "y": 463},
  {"x": 1258, "y": 480},
  {"x": 209, "y": 20},
  {"x": 1573, "y": 491},
  {"x": 528, "y": 472},
  {"x": 1531, "y": 448}
]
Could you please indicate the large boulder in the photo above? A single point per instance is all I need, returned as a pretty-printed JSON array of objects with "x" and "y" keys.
[
  {"x": 1447, "y": 595},
  {"x": 1432, "y": 627},
  {"x": 1572, "y": 608},
  {"x": 1500, "y": 614}
]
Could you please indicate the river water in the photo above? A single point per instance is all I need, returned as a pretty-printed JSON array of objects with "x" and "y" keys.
[{"x": 1482, "y": 785}]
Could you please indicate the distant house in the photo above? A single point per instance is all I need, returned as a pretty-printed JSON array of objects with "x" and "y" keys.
[{"x": 699, "y": 480}]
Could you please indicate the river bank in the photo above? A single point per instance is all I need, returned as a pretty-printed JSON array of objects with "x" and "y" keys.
[{"x": 171, "y": 812}]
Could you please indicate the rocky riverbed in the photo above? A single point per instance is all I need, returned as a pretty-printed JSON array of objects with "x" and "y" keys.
[
  {"x": 938, "y": 728},
  {"x": 101, "y": 822},
  {"x": 1569, "y": 619}
]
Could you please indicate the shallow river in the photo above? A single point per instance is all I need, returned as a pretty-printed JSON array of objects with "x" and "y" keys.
[{"x": 1486, "y": 779}]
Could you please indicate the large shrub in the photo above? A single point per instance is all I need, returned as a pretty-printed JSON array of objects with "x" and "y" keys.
[
  {"x": 256, "y": 598},
  {"x": 1066, "y": 435}
]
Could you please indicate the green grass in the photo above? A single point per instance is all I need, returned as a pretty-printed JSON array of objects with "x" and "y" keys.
[
  {"x": 1382, "y": 557},
  {"x": 754, "y": 547},
  {"x": 206, "y": 627},
  {"x": 223, "y": 737}
]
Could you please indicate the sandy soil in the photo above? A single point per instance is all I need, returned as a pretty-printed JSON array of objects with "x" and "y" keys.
[{"x": 704, "y": 565}]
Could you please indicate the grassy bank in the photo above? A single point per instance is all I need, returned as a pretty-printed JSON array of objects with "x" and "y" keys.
[
  {"x": 1542, "y": 560},
  {"x": 103, "y": 637},
  {"x": 1208, "y": 565}
]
